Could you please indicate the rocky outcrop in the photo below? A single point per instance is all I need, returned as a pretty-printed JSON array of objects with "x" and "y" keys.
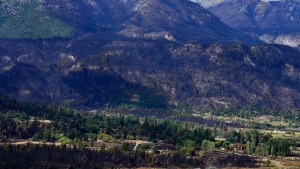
[
  {"x": 289, "y": 39},
  {"x": 208, "y": 3}
]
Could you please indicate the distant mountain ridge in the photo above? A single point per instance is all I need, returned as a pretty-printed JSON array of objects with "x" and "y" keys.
[
  {"x": 274, "y": 21},
  {"x": 260, "y": 16}
]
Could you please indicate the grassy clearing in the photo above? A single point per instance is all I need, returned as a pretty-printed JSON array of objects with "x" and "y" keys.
[
  {"x": 263, "y": 121},
  {"x": 24, "y": 142}
]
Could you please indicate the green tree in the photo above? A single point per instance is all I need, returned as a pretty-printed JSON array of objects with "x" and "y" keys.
[
  {"x": 250, "y": 147},
  {"x": 278, "y": 147},
  {"x": 208, "y": 145},
  {"x": 47, "y": 135},
  {"x": 188, "y": 148},
  {"x": 127, "y": 146}
]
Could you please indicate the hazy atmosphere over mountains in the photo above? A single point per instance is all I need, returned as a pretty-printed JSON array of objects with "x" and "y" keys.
[{"x": 93, "y": 53}]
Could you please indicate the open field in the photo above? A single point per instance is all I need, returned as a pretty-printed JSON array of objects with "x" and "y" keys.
[
  {"x": 286, "y": 164},
  {"x": 23, "y": 142},
  {"x": 139, "y": 141}
]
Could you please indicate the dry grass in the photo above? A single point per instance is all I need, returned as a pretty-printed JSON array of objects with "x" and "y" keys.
[
  {"x": 22, "y": 142},
  {"x": 248, "y": 168},
  {"x": 285, "y": 164},
  {"x": 139, "y": 141}
]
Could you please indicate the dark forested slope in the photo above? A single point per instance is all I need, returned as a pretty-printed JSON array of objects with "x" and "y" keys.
[{"x": 150, "y": 54}]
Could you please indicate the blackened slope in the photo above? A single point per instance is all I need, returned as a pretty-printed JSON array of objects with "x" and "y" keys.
[{"x": 152, "y": 73}]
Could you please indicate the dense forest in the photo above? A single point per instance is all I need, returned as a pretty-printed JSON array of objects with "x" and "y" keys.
[
  {"x": 38, "y": 122},
  {"x": 25, "y": 121}
]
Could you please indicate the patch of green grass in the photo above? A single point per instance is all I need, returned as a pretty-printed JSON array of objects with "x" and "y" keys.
[{"x": 27, "y": 19}]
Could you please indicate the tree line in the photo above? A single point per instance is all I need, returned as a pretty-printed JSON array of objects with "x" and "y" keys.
[{"x": 23, "y": 121}]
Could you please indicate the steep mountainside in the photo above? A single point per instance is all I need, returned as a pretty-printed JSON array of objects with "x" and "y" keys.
[
  {"x": 150, "y": 73},
  {"x": 177, "y": 20},
  {"x": 146, "y": 53},
  {"x": 260, "y": 16},
  {"x": 275, "y": 21}
]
